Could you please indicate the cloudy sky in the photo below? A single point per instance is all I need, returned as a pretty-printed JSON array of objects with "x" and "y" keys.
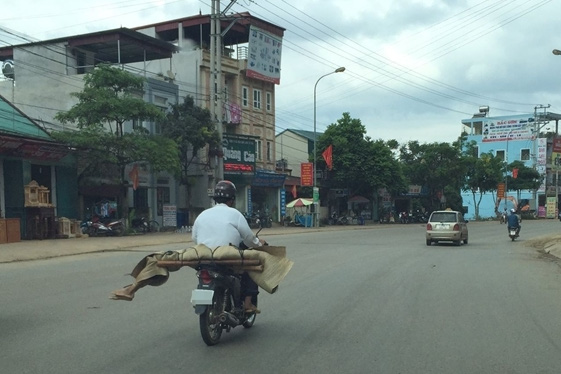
[{"x": 414, "y": 68}]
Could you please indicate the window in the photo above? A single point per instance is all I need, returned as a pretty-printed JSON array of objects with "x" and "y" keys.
[
  {"x": 245, "y": 96},
  {"x": 269, "y": 149},
  {"x": 524, "y": 154},
  {"x": 269, "y": 102},
  {"x": 258, "y": 152},
  {"x": 500, "y": 154},
  {"x": 256, "y": 99}
]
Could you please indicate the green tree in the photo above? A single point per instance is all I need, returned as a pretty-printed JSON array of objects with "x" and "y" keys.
[
  {"x": 111, "y": 97},
  {"x": 359, "y": 163},
  {"x": 191, "y": 127},
  {"x": 526, "y": 179},
  {"x": 438, "y": 167},
  {"x": 483, "y": 174}
]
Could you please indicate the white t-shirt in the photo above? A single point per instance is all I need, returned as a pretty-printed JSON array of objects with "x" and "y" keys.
[{"x": 222, "y": 225}]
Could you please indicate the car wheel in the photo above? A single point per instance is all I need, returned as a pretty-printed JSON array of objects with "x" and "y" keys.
[
  {"x": 466, "y": 240},
  {"x": 429, "y": 242}
]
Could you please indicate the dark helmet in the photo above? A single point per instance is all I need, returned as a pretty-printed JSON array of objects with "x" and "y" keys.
[{"x": 225, "y": 189}]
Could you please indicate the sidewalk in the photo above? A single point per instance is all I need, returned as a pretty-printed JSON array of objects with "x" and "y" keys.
[{"x": 28, "y": 250}]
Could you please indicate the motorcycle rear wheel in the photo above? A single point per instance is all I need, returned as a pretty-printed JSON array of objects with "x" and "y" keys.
[
  {"x": 211, "y": 329},
  {"x": 118, "y": 229}
]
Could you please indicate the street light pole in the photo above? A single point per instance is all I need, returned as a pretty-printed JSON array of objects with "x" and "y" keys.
[{"x": 316, "y": 205}]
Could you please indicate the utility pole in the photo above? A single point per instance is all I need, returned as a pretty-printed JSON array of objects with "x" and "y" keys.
[
  {"x": 537, "y": 129},
  {"x": 216, "y": 82},
  {"x": 216, "y": 89}
]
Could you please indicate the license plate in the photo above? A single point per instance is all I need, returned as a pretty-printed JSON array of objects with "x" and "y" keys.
[
  {"x": 202, "y": 297},
  {"x": 512, "y": 232},
  {"x": 442, "y": 226}
]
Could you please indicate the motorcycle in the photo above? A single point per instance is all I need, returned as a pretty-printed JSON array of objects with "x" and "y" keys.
[
  {"x": 252, "y": 220},
  {"x": 143, "y": 225},
  {"x": 503, "y": 218},
  {"x": 265, "y": 221},
  {"x": 218, "y": 302},
  {"x": 335, "y": 219},
  {"x": 96, "y": 227},
  {"x": 512, "y": 233}
]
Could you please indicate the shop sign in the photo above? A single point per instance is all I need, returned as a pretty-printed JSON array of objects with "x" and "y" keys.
[
  {"x": 306, "y": 174},
  {"x": 239, "y": 154}
]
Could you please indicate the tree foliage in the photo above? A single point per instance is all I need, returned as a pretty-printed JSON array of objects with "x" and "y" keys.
[
  {"x": 483, "y": 174},
  {"x": 110, "y": 98},
  {"x": 438, "y": 167},
  {"x": 191, "y": 127},
  {"x": 359, "y": 163}
]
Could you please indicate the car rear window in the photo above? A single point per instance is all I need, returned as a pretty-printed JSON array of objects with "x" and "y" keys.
[{"x": 443, "y": 217}]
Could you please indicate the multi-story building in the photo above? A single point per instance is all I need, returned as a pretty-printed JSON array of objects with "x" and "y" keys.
[
  {"x": 45, "y": 73},
  {"x": 514, "y": 138},
  {"x": 174, "y": 57},
  {"x": 250, "y": 68}
]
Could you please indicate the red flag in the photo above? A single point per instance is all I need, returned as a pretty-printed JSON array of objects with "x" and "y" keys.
[
  {"x": 328, "y": 156},
  {"x": 294, "y": 192},
  {"x": 133, "y": 175},
  {"x": 515, "y": 173}
]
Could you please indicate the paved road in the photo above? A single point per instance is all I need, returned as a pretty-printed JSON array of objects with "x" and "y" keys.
[{"x": 358, "y": 301}]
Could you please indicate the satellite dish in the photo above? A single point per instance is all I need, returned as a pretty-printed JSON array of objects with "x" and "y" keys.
[
  {"x": 8, "y": 69},
  {"x": 170, "y": 74}
]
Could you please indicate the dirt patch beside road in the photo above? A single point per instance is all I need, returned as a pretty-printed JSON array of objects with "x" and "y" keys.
[{"x": 547, "y": 244}]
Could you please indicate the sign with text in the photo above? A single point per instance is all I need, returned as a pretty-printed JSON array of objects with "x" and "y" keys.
[
  {"x": 264, "y": 58},
  {"x": 501, "y": 190},
  {"x": 239, "y": 154},
  {"x": 307, "y": 174},
  {"x": 170, "y": 215}
]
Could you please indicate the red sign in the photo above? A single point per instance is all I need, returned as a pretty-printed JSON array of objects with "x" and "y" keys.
[
  {"x": 556, "y": 145},
  {"x": 238, "y": 168},
  {"x": 307, "y": 174}
]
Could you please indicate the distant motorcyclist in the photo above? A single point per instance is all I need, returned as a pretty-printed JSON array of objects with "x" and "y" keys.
[{"x": 513, "y": 222}]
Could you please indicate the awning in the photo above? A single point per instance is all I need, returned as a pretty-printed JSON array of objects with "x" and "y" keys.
[
  {"x": 34, "y": 149},
  {"x": 358, "y": 199}
]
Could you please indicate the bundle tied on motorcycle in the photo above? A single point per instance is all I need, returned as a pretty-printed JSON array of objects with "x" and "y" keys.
[{"x": 154, "y": 269}]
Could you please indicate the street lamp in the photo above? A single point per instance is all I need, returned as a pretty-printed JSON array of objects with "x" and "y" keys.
[{"x": 338, "y": 70}]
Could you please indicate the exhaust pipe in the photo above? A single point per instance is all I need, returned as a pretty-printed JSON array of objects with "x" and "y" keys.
[{"x": 229, "y": 318}]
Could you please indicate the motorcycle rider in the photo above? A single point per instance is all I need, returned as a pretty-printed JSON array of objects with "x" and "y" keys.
[
  {"x": 225, "y": 225},
  {"x": 513, "y": 221},
  {"x": 217, "y": 226}
]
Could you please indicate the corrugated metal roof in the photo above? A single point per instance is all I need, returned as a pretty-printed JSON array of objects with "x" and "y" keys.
[{"x": 15, "y": 122}]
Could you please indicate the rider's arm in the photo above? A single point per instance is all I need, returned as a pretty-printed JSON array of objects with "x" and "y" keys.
[{"x": 246, "y": 234}]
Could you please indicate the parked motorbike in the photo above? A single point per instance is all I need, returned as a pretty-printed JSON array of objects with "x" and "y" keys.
[
  {"x": 253, "y": 220},
  {"x": 218, "y": 302},
  {"x": 143, "y": 225},
  {"x": 265, "y": 221},
  {"x": 335, "y": 219},
  {"x": 95, "y": 227}
]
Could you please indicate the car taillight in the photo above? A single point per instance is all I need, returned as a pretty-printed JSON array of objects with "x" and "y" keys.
[
  {"x": 429, "y": 227},
  {"x": 456, "y": 227},
  {"x": 204, "y": 276}
]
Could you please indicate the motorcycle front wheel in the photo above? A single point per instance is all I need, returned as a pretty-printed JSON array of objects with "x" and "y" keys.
[{"x": 211, "y": 329}]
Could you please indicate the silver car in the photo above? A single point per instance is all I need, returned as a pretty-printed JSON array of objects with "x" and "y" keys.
[{"x": 447, "y": 225}]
